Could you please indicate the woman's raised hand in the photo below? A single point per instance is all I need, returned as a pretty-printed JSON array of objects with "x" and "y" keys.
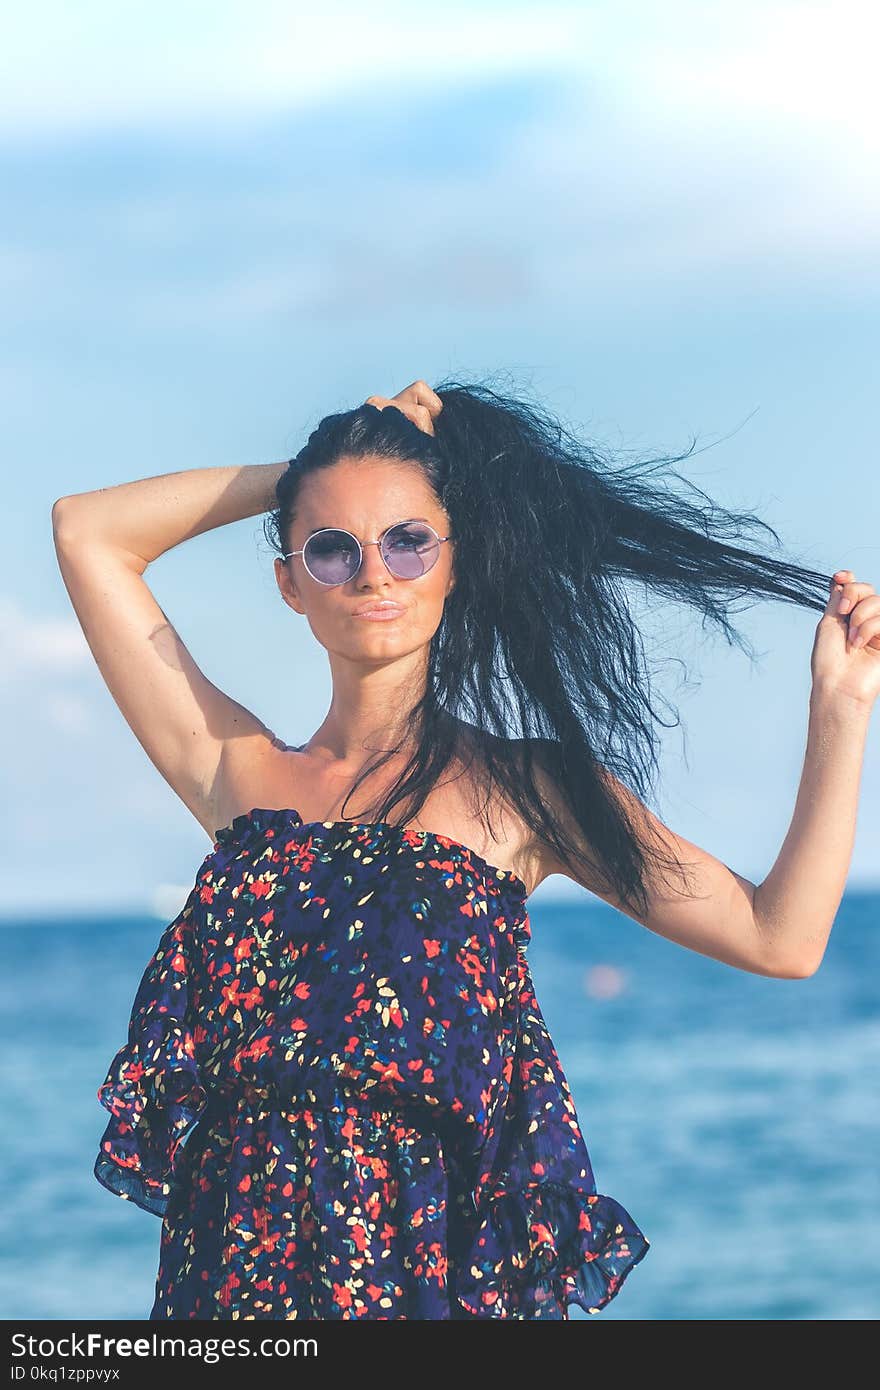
[
  {"x": 846, "y": 650},
  {"x": 418, "y": 402}
]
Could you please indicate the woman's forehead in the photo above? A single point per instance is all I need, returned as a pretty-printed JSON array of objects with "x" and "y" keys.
[{"x": 367, "y": 492}]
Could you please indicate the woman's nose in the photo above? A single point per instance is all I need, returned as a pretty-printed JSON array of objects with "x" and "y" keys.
[{"x": 373, "y": 566}]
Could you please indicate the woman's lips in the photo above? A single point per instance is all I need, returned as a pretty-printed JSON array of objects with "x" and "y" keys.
[{"x": 381, "y": 615}]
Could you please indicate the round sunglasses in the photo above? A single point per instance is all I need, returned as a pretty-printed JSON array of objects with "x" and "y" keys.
[{"x": 333, "y": 556}]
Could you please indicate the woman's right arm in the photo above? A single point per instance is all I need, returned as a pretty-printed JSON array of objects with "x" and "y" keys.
[{"x": 105, "y": 540}]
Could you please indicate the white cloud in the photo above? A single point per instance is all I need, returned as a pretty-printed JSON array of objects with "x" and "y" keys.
[
  {"x": 34, "y": 645},
  {"x": 779, "y": 68},
  {"x": 796, "y": 69},
  {"x": 681, "y": 140},
  {"x": 109, "y": 66}
]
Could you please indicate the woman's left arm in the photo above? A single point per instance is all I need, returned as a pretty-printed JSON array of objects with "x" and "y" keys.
[
  {"x": 796, "y": 904},
  {"x": 779, "y": 927}
]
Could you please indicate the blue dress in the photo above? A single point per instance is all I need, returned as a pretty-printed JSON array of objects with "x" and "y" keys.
[{"x": 340, "y": 1095}]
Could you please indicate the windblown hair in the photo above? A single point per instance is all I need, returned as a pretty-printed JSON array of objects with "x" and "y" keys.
[{"x": 537, "y": 652}]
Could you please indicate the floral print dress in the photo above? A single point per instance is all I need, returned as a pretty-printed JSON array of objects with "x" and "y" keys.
[{"x": 340, "y": 1095}]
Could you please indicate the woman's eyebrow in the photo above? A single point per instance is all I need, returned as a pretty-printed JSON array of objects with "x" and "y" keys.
[{"x": 336, "y": 527}]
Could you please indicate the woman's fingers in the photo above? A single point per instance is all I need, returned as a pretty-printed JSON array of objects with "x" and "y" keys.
[
  {"x": 417, "y": 402},
  {"x": 421, "y": 404},
  {"x": 421, "y": 394},
  {"x": 861, "y": 636},
  {"x": 864, "y": 621},
  {"x": 860, "y": 603},
  {"x": 853, "y": 592}
]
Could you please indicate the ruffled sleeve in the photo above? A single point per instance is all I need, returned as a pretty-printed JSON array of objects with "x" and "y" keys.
[
  {"x": 153, "y": 1089},
  {"x": 538, "y": 1235}
]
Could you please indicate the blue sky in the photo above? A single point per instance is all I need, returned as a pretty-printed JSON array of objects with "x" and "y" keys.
[{"x": 222, "y": 222}]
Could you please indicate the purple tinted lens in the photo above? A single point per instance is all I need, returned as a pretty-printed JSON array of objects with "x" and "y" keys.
[
  {"x": 410, "y": 549},
  {"x": 331, "y": 556}
]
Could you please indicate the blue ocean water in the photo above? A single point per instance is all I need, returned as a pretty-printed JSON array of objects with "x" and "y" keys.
[{"x": 736, "y": 1117}]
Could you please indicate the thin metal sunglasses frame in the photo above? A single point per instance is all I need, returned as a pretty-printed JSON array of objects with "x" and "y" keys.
[{"x": 360, "y": 545}]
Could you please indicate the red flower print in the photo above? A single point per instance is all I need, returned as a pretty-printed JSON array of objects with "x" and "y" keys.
[
  {"x": 230, "y": 995},
  {"x": 388, "y": 1071}
]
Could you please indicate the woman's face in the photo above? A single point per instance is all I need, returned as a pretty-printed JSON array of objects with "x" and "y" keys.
[{"x": 365, "y": 497}]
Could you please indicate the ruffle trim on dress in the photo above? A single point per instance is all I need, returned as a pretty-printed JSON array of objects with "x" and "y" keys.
[
  {"x": 539, "y": 1248},
  {"x": 152, "y": 1089},
  {"x": 536, "y": 1234}
]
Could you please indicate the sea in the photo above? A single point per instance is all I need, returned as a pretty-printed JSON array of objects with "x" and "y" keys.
[{"x": 735, "y": 1117}]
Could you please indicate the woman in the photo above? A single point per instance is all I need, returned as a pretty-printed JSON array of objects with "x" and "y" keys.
[{"x": 338, "y": 1089}]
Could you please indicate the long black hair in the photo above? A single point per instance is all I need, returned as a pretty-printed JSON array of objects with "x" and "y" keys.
[{"x": 537, "y": 653}]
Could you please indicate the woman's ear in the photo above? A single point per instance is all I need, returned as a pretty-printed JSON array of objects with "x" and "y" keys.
[{"x": 287, "y": 588}]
